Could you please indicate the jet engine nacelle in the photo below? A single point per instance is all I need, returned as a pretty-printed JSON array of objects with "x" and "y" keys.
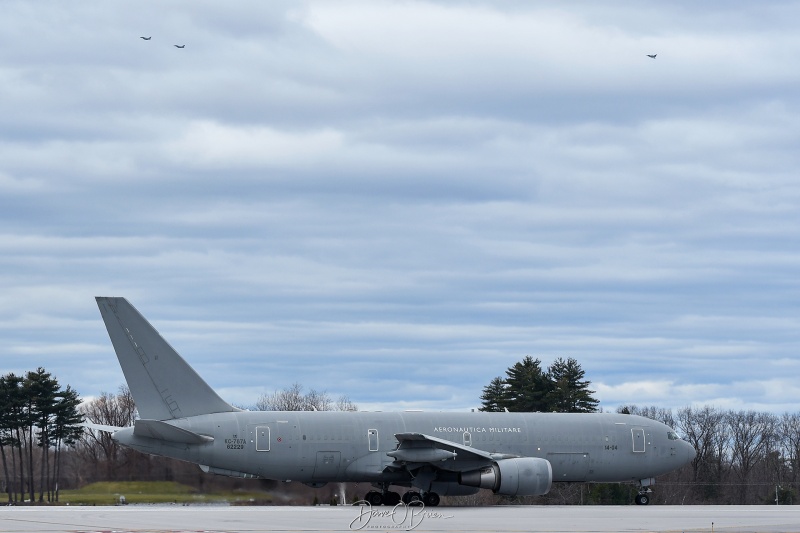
[{"x": 523, "y": 476}]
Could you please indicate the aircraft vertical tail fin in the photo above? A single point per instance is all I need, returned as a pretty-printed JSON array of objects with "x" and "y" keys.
[{"x": 163, "y": 385}]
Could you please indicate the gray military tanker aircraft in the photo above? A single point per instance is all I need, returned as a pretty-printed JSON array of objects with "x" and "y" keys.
[{"x": 433, "y": 454}]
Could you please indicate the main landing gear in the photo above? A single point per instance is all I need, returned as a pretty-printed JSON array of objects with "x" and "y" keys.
[
  {"x": 411, "y": 497},
  {"x": 391, "y": 498},
  {"x": 642, "y": 498},
  {"x": 376, "y": 498},
  {"x": 430, "y": 499}
]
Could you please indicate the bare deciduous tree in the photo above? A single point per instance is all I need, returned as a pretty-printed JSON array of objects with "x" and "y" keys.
[
  {"x": 345, "y": 404},
  {"x": 750, "y": 433},
  {"x": 97, "y": 447},
  {"x": 699, "y": 426},
  {"x": 789, "y": 432},
  {"x": 293, "y": 399}
]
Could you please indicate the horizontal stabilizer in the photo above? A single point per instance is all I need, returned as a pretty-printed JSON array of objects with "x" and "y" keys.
[
  {"x": 155, "y": 429},
  {"x": 100, "y": 427}
]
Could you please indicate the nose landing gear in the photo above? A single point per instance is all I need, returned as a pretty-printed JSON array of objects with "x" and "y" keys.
[{"x": 643, "y": 498}]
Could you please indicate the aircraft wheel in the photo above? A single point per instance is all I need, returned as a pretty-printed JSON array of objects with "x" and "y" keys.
[
  {"x": 431, "y": 499},
  {"x": 411, "y": 497},
  {"x": 374, "y": 498},
  {"x": 642, "y": 499},
  {"x": 391, "y": 498}
]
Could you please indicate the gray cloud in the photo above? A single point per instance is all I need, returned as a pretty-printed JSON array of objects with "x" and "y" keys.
[{"x": 347, "y": 195}]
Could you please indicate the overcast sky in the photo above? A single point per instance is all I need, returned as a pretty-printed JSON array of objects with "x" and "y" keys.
[{"x": 398, "y": 200}]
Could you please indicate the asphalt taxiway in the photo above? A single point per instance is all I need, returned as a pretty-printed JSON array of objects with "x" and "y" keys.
[{"x": 555, "y": 519}]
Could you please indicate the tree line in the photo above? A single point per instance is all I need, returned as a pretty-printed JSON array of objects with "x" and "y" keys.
[
  {"x": 35, "y": 413},
  {"x": 743, "y": 457},
  {"x": 43, "y": 448}
]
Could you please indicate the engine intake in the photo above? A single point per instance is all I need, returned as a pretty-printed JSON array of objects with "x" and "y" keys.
[{"x": 523, "y": 476}]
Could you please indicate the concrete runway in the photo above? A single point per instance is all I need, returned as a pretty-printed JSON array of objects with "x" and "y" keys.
[{"x": 213, "y": 519}]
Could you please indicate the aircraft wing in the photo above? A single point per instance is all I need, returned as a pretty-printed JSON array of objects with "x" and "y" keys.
[{"x": 417, "y": 449}]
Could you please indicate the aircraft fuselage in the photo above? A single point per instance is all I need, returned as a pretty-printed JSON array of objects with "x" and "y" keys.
[{"x": 318, "y": 447}]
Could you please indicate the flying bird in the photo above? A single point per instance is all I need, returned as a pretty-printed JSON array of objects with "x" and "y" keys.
[
  {"x": 179, "y": 46},
  {"x": 652, "y": 56},
  {"x": 146, "y": 38}
]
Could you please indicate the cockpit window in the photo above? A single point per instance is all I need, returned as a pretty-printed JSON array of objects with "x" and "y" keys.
[{"x": 671, "y": 435}]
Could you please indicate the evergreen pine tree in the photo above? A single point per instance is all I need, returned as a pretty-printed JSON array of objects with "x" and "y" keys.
[
  {"x": 65, "y": 431},
  {"x": 528, "y": 386},
  {"x": 34, "y": 409},
  {"x": 570, "y": 393},
  {"x": 6, "y": 429},
  {"x": 42, "y": 388},
  {"x": 14, "y": 420},
  {"x": 494, "y": 398}
]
